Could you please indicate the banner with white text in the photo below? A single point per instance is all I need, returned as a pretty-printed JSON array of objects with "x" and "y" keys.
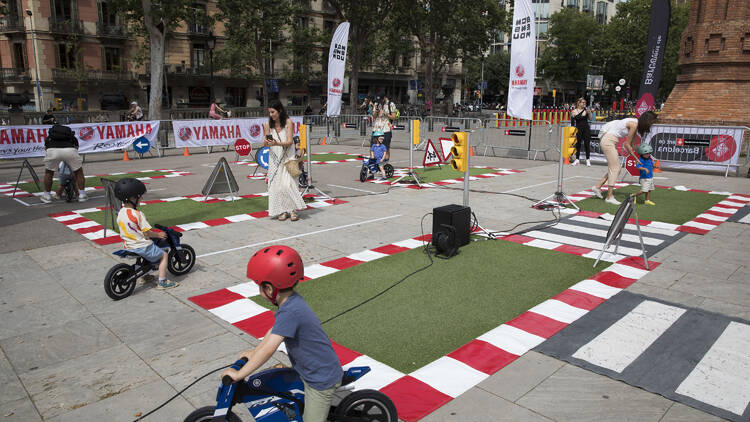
[
  {"x": 28, "y": 141},
  {"x": 336, "y": 66},
  {"x": 522, "y": 61},
  {"x": 209, "y": 132}
]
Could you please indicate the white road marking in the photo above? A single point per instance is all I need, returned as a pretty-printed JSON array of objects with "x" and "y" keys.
[{"x": 347, "y": 187}]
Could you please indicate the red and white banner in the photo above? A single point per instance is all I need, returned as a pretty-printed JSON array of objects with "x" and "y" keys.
[
  {"x": 522, "y": 61},
  {"x": 209, "y": 132},
  {"x": 336, "y": 66},
  {"x": 28, "y": 141}
]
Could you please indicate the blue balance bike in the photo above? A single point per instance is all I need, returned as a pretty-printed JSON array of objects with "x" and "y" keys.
[
  {"x": 277, "y": 395},
  {"x": 121, "y": 279},
  {"x": 370, "y": 169}
]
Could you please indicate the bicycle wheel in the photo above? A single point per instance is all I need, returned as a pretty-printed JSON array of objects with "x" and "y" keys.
[
  {"x": 388, "y": 171},
  {"x": 302, "y": 180},
  {"x": 69, "y": 192},
  {"x": 363, "y": 174},
  {"x": 367, "y": 405},
  {"x": 206, "y": 414},
  {"x": 116, "y": 283},
  {"x": 180, "y": 267}
]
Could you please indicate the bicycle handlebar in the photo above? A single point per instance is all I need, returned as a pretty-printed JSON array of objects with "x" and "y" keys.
[{"x": 226, "y": 379}]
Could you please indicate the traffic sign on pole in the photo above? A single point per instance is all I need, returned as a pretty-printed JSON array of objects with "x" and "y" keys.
[{"x": 141, "y": 145}]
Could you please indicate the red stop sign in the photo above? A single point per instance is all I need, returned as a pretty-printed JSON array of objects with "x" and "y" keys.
[
  {"x": 630, "y": 166},
  {"x": 242, "y": 147}
]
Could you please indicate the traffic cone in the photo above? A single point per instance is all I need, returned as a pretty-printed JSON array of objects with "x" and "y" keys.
[
  {"x": 186, "y": 153},
  {"x": 471, "y": 151},
  {"x": 657, "y": 166},
  {"x": 566, "y": 160},
  {"x": 323, "y": 141},
  {"x": 125, "y": 155}
]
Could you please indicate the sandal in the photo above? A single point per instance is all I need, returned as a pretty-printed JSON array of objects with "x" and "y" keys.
[
  {"x": 283, "y": 216},
  {"x": 294, "y": 217}
]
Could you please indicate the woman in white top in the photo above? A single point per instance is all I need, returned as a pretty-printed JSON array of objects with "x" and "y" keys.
[
  {"x": 283, "y": 195},
  {"x": 609, "y": 134}
]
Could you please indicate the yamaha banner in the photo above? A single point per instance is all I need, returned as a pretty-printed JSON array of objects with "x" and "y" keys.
[
  {"x": 336, "y": 66},
  {"x": 658, "y": 30},
  {"x": 522, "y": 65}
]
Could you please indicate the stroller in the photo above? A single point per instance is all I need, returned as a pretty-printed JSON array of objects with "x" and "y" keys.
[
  {"x": 65, "y": 178},
  {"x": 370, "y": 167}
]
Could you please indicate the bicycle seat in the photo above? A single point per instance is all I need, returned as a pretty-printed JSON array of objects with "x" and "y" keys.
[
  {"x": 354, "y": 373},
  {"x": 124, "y": 253}
]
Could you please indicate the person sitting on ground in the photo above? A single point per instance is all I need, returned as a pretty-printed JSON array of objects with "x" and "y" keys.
[
  {"x": 61, "y": 144},
  {"x": 134, "y": 113},
  {"x": 136, "y": 233},
  {"x": 49, "y": 118},
  {"x": 646, "y": 167},
  {"x": 215, "y": 112},
  {"x": 377, "y": 152},
  {"x": 277, "y": 270}
]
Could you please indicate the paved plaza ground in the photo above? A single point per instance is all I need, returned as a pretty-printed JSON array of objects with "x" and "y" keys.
[{"x": 68, "y": 352}]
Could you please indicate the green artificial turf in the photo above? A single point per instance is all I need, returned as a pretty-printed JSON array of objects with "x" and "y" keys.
[
  {"x": 90, "y": 181},
  {"x": 331, "y": 157},
  {"x": 189, "y": 211},
  {"x": 672, "y": 206},
  {"x": 444, "y": 172},
  {"x": 437, "y": 310}
]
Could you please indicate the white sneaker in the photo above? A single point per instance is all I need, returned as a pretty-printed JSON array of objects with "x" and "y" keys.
[
  {"x": 53, "y": 195},
  {"x": 576, "y": 162},
  {"x": 612, "y": 201},
  {"x": 588, "y": 163},
  {"x": 597, "y": 192},
  {"x": 46, "y": 197},
  {"x": 82, "y": 197}
]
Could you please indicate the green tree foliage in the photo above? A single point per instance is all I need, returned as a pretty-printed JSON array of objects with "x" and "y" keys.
[
  {"x": 626, "y": 36},
  {"x": 303, "y": 53},
  {"x": 448, "y": 32},
  {"x": 572, "y": 47},
  {"x": 496, "y": 71}
]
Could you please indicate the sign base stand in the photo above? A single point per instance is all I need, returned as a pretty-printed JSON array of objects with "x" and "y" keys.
[
  {"x": 617, "y": 226},
  {"x": 34, "y": 177},
  {"x": 559, "y": 199},
  {"x": 217, "y": 184}
]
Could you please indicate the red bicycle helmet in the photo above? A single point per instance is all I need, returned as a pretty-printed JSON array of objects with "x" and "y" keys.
[{"x": 278, "y": 265}]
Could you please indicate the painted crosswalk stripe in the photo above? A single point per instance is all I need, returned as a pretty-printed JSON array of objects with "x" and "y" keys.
[
  {"x": 620, "y": 344},
  {"x": 722, "y": 377},
  {"x": 580, "y": 242}
]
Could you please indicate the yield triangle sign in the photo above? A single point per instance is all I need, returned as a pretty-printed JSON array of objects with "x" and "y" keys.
[
  {"x": 431, "y": 156},
  {"x": 446, "y": 144}
]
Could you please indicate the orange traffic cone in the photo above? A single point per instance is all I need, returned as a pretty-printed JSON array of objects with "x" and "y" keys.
[
  {"x": 186, "y": 153},
  {"x": 566, "y": 160},
  {"x": 471, "y": 151},
  {"x": 323, "y": 141},
  {"x": 125, "y": 155},
  {"x": 657, "y": 166}
]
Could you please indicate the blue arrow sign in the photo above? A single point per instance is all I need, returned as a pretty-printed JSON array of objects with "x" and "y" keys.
[
  {"x": 262, "y": 157},
  {"x": 141, "y": 145}
]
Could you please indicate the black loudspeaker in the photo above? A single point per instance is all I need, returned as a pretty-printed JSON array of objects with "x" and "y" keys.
[{"x": 457, "y": 216}]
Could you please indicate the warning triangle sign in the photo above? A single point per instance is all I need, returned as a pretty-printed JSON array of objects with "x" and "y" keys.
[
  {"x": 431, "y": 156},
  {"x": 446, "y": 144}
]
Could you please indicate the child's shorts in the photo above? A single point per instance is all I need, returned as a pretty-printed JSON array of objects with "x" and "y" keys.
[
  {"x": 647, "y": 185},
  {"x": 150, "y": 253}
]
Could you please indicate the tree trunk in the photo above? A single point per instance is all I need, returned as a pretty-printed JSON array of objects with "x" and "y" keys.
[
  {"x": 259, "y": 44},
  {"x": 354, "y": 77},
  {"x": 156, "y": 36},
  {"x": 429, "y": 72}
]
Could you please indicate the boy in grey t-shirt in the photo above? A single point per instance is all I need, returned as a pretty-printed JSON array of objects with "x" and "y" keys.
[{"x": 277, "y": 269}]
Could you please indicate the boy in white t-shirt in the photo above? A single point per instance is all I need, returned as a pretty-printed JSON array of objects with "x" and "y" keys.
[{"x": 135, "y": 231}]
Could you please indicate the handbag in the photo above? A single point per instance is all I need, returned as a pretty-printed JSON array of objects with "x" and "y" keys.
[{"x": 293, "y": 166}]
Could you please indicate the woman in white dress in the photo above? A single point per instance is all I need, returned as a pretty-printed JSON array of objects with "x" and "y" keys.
[{"x": 284, "y": 197}]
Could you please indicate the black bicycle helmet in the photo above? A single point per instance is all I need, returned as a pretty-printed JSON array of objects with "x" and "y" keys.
[{"x": 128, "y": 188}]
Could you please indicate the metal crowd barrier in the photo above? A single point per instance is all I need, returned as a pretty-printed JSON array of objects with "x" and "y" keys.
[
  {"x": 533, "y": 136},
  {"x": 435, "y": 127}
]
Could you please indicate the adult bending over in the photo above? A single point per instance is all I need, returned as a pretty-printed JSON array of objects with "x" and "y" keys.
[
  {"x": 62, "y": 145},
  {"x": 283, "y": 195},
  {"x": 609, "y": 135},
  {"x": 580, "y": 119}
]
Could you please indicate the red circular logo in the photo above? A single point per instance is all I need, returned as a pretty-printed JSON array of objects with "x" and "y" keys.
[
  {"x": 254, "y": 131},
  {"x": 721, "y": 149},
  {"x": 621, "y": 145},
  {"x": 242, "y": 147},
  {"x": 336, "y": 82},
  {"x": 85, "y": 133},
  {"x": 185, "y": 133},
  {"x": 520, "y": 71}
]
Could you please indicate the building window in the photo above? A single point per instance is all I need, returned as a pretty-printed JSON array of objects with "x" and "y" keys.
[
  {"x": 573, "y": 4},
  {"x": 66, "y": 58},
  {"x": 328, "y": 27},
  {"x": 198, "y": 22},
  {"x": 198, "y": 56},
  {"x": 112, "y": 59},
  {"x": 588, "y": 6},
  {"x": 236, "y": 97},
  {"x": 541, "y": 9},
  {"x": 601, "y": 12},
  {"x": 107, "y": 15},
  {"x": 542, "y": 28},
  {"x": 302, "y": 21},
  {"x": 19, "y": 56},
  {"x": 62, "y": 10}
]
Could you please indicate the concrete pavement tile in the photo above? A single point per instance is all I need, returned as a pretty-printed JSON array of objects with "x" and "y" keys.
[
  {"x": 737, "y": 256},
  {"x": 681, "y": 413},
  {"x": 713, "y": 268},
  {"x": 191, "y": 354},
  {"x": 59, "y": 309},
  {"x": 22, "y": 410},
  {"x": 232, "y": 265},
  {"x": 669, "y": 295},
  {"x": 742, "y": 275},
  {"x": 694, "y": 249},
  {"x": 522, "y": 375},
  {"x": 127, "y": 404},
  {"x": 79, "y": 382},
  {"x": 728, "y": 309},
  {"x": 575, "y": 394},
  {"x": 10, "y": 387},
  {"x": 205, "y": 278},
  {"x": 11, "y": 260},
  {"x": 57, "y": 343},
  {"x": 27, "y": 285},
  {"x": 56, "y": 256},
  {"x": 662, "y": 277},
  {"x": 477, "y": 405},
  {"x": 717, "y": 289}
]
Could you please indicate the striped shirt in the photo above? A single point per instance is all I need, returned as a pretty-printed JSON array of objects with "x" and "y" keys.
[{"x": 132, "y": 225}]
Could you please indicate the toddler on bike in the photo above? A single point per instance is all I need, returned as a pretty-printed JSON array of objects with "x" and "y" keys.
[
  {"x": 377, "y": 152},
  {"x": 135, "y": 231},
  {"x": 276, "y": 270}
]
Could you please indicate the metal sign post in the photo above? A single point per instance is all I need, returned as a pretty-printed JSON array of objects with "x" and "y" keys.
[
  {"x": 614, "y": 234},
  {"x": 560, "y": 199},
  {"x": 410, "y": 173},
  {"x": 215, "y": 185},
  {"x": 34, "y": 177}
]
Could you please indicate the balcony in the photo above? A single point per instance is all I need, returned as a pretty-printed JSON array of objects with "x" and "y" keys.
[
  {"x": 11, "y": 24},
  {"x": 14, "y": 74},
  {"x": 111, "y": 30},
  {"x": 91, "y": 75},
  {"x": 67, "y": 26},
  {"x": 176, "y": 69}
]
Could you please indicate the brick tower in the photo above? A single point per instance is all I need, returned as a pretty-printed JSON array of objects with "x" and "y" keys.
[{"x": 713, "y": 86}]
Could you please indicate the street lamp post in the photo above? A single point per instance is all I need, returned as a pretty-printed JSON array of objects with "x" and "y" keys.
[
  {"x": 39, "y": 99},
  {"x": 211, "y": 42}
]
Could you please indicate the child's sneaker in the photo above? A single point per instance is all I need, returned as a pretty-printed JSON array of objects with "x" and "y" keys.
[
  {"x": 649, "y": 202},
  {"x": 46, "y": 197},
  {"x": 149, "y": 278},
  {"x": 597, "y": 192},
  {"x": 166, "y": 284},
  {"x": 82, "y": 197}
]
